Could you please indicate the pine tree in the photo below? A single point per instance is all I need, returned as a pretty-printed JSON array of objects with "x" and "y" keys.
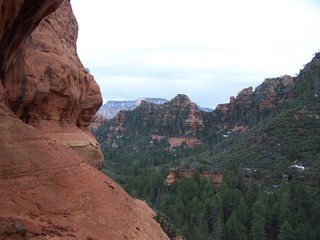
[
  {"x": 274, "y": 226},
  {"x": 257, "y": 229},
  {"x": 286, "y": 231},
  {"x": 230, "y": 200},
  {"x": 258, "y": 220},
  {"x": 214, "y": 211},
  {"x": 243, "y": 212},
  {"x": 218, "y": 230},
  {"x": 252, "y": 194},
  {"x": 234, "y": 230},
  {"x": 315, "y": 219},
  {"x": 301, "y": 232}
]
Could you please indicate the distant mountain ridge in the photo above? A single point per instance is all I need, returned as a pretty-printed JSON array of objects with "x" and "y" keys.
[
  {"x": 111, "y": 108},
  {"x": 264, "y": 144},
  {"x": 179, "y": 123},
  {"x": 205, "y": 109}
]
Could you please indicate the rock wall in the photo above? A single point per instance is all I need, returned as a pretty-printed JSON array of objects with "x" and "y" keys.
[
  {"x": 48, "y": 190},
  {"x": 48, "y": 88},
  {"x": 176, "y": 174},
  {"x": 175, "y": 142},
  {"x": 245, "y": 110},
  {"x": 180, "y": 104},
  {"x": 18, "y": 19}
]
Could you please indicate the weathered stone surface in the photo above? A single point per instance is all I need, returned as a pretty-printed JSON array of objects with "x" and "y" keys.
[
  {"x": 272, "y": 92},
  {"x": 47, "y": 189},
  {"x": 179, "y": 105},
  {"x": 97, "y": 121},
  {"x": 175, "y": 142},
  {"x": 176, "y": 174},
  {"x": 18, "y": 19},
  {"x": 119, "y": 122},
  {"x": 187, "y": 141},
  {"x": 243, "y": 111},
  {"x": 64, "y": 197},
  {"x": 310, "y": 76},
  {"x": 195, "y": 119},
  {"x": 48, "y": 87}
]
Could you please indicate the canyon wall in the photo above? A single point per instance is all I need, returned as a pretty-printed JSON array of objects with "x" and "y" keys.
[
  {"x": 48, "y": 88},
  {"x": 50, "y": 186}
]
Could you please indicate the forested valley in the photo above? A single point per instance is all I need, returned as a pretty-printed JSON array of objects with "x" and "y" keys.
[{"x": 271, "y": 169}]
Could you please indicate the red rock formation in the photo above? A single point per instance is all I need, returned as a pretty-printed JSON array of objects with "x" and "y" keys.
[
  {"x": 119, "y": 124},
  {"x": 244, "y": 97},
  {"x": 238, "y": 128},
  {"x": 97, "y": 121},
  {"x": 243, "y": 111},
  {"x": 195, "y": 119},
  {"x": 179, "y": 141},
  {"x": 48, "y": 87},
  {"x": 176, "y": 173},
  {"x": 158, "y": 138},
  {"x": 181, "y": 103},
  {"x": 43, "y": 183},
  {"x": 270, "y": 92},
  {"x": 48, "y": 191},
  {"x": 223, "y": 107},
  {"x": 18, "y": 19},
  {"x": 175, "y": 142}
]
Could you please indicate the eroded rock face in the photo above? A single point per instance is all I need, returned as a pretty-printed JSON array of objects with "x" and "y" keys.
[
  {"x": 176, "y": 174},
  {"x": 48, "y": 191},
  {"x": 119, "y": 122},
  {"x": 195, "y": 119},
  {"x": 243, "y": 111},
  {"x": 48, "y": 87},
  {"x": 47, "y": 80},
  {"x": 18, "y": 19},
  {"x": 175, "y": 142},
  {"x": 97, "y": 121},
  {"x": 179, "y": 105},
  {"x": 272, "y": 92}
]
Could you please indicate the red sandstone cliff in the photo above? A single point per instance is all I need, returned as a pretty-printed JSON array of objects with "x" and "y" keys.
[
  {"x": 194, "y": 118},
  {"x": 48, "y": 184},
  {"x": 176, "y": 174},
  {"x": 245, "y": 110}
]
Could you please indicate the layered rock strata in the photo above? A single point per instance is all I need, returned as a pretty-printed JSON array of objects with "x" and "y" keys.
[
  {"x": 48, "y": 184},
  {"x": 48, "y": 88}
]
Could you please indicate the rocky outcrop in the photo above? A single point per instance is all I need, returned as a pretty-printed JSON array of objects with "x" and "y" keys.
[
  {"x": 48, "y": 88},
  {"x": 61, "y": 196},
  {"x": 250, "y": 105},
  {"x": 176, "y": 123},
  {"x": 272, "y": 92},
  {"x": 48, "y": 190},
  {"x": 195, "y": 119},
  {"x": 175, "y": 142},
  {"x": 176, "y": 174},
  {"x": 188, "y": 142},
  {"x": 97, "y": 121},
  {"x": 182, "y": 113},
  {"x": 18, "y": 19},
  {"x": 119, "y": 122},
  {"x": 310, "y": 75}
]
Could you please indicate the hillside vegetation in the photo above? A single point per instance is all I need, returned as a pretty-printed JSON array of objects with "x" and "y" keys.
[{"x": 266, "y": 143}]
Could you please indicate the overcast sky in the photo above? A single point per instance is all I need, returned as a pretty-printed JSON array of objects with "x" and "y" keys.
[{"x": 206, "y": 49}]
